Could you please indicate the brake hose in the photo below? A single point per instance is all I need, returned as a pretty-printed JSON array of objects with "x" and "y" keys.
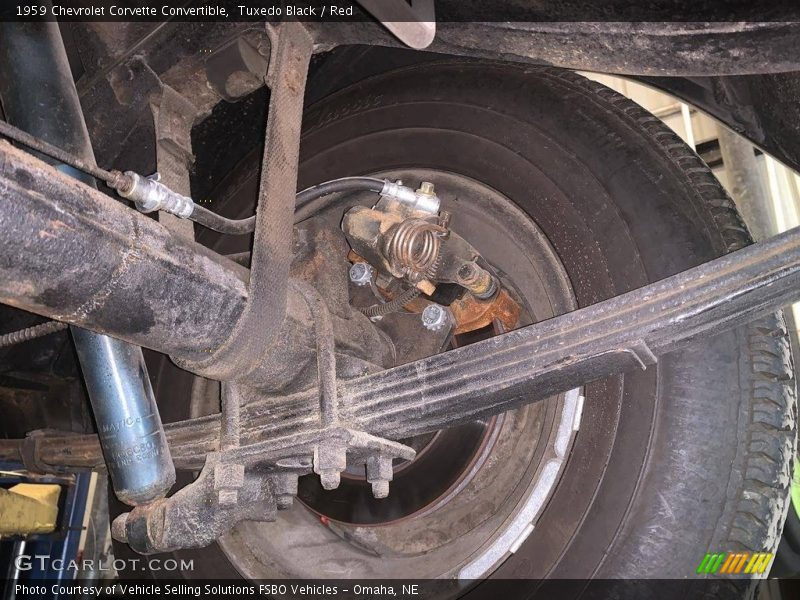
[{"x": 212, "y": 220}]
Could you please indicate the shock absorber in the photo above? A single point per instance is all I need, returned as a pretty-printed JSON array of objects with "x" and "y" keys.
[
  {"x": 38, "y": 94},
  {"x": 128, "y": 424}
]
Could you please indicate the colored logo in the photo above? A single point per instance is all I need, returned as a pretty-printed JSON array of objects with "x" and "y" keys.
[{"x": 735, "y": 563}]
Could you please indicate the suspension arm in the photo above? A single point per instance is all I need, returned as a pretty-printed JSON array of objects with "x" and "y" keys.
[{"x": 624, "y": 333}]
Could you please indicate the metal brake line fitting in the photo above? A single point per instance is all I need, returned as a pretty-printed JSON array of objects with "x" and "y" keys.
[
  {"x": 423, "y": 199},
  {"x": 150, "y": 195}
]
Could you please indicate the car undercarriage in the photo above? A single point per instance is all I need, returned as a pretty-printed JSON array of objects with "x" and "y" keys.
[{"x": 362, "y": 335}]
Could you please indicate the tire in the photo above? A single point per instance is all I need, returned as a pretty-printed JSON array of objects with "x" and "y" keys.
[{"x": 688, "y": 457}]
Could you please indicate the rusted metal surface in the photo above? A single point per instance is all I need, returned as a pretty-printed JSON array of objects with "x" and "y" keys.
[
  {"x": 284, "y": 425},
  {"x": 472, "y": 314},
  {"x": 229, "y": 490}
]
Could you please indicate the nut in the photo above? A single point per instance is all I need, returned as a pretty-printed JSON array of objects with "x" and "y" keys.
[
  {"x": 361, "y": 273},
  {"x": 379, "y": 474},
  {"x": 330, "y": 459},
  {"x": 426, "y": 189},
  {"x": 434, "y": 317},
  {"x": 285, "y": 489}
]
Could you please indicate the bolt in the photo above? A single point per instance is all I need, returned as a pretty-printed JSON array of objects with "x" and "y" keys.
[
  {"x": 380, "y": 489},
  {"x": 361, "y": 273},
  {"x": 467, "y": 273},
  {"x": 330, "y": 459},
  {"x": 434, "y": 317},
  {"x": 285, "y": 489},
  {"x": 426, "y": 188},
  {"x": 329, "y": 479},
  {"x": 379, "y": 474},
  {"x": 477, "y": 280}
]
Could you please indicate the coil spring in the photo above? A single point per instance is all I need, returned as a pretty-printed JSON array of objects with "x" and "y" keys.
[{"x": 413, "y": 247}]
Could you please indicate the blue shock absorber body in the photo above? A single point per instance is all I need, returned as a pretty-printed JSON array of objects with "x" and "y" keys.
[{"x": 128, "y": 424}]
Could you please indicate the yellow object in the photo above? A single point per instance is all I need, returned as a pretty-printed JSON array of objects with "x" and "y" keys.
[{"x": 28, "y": 508}]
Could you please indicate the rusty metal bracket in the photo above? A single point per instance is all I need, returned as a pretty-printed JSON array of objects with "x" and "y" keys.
[{"x": 471, "y": 314}]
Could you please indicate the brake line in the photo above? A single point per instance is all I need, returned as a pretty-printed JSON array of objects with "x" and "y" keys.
[
  {"x": 212, "y": 220},
  {"x": 34, "y": 143},
  {"x": 150, "y": 195}
]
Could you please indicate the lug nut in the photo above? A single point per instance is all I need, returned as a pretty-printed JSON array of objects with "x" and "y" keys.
[
  {"x": 361, "y": 273},
  {"x": 434, "y": 317}
]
